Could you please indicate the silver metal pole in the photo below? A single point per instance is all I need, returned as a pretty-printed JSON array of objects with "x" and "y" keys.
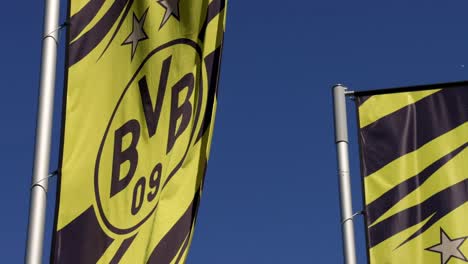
[
  {"x": 341, "y": 139},
  {"x": 37, "y": 207}
]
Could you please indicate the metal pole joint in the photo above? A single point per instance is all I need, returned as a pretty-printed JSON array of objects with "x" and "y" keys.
[
  {"x": 39, "y": 186},
  {"x": 341, "y": 140}
]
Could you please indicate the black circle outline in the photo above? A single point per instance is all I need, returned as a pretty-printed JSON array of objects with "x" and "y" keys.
[{"x": 116, "y": 230}]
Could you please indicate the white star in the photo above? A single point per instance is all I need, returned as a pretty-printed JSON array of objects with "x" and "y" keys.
[
  {"x": 448, "y": 248},
  {"x": 172, "y": 9},
  {"x": 138, "y": 33}
]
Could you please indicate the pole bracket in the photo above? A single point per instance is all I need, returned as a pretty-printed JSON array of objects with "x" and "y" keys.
[
  {"x": 38, "y": 183},
  {"x": 350, "y": 95},
  {"x": 352, "y": 217},
  {"x": 60, "y": 27}
]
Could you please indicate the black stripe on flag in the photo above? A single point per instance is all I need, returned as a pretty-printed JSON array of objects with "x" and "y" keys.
[
  {"x": 212, "y": 62},
  {"x": 122, "y": 249},
  {"x": 411, "y": 127},
  {"x": 86, "y": 43},
  {"x": 378, "y": 207},
  {"x": 435, "y": 208},
  {"x": 362, "y": 99},
  {"x": 214, "y": 8},
  {"x": 83, "y": 17},
  {"x": 81, "y": 241},
  {"x": 173, "y": 241}
]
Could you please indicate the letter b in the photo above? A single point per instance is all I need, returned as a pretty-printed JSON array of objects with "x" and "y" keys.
[
  {"x": 184, "y": 111},
  {"x": 120, "y": 156}
]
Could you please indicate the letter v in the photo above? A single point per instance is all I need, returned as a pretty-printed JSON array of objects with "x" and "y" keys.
[{"x": 152, "y": 116}]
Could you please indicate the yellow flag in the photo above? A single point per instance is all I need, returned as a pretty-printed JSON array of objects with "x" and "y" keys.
[
  {"x": 414, "y": 161},
  {"x": 139, "y": 109}
]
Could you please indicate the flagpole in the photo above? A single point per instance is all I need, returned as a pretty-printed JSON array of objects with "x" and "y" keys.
[
  {"x": 38, "y": 199},
  {"x": 341, "y": 140}
]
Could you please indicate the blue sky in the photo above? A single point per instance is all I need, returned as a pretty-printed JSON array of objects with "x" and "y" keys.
[{"x": 271, "y": 193}]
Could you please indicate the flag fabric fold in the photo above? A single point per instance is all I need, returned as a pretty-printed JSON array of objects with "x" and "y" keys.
[
  {"x": 138, "y": 114},
  {"x": 414, "y": 162}
]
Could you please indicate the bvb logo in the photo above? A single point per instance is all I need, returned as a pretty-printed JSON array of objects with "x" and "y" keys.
[{"x": 149, "y": 134}]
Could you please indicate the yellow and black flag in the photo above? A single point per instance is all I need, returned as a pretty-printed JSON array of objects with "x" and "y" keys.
[
  {"x": 139, "y": 107},
  {"x": 414, "y": 161}
]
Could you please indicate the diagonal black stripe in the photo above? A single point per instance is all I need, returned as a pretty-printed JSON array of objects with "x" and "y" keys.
[
  {"x": 214, "y": 8},
  {"x": 436, "y": 207},
  {"x": 411, "y": 127},
  {"x": 172, "y": 242},
  {"x": 81, "y": 241},
  {"x": 182, "y": 250},
  {"x": 378, "y": 207},
  {"x": 212, "y": 62},
  {"x": 83, "y": 17},
  {"x": 119, "y": 25},
  {"x": 88, "y": 41},
  {"x": 362, "y": 99},
  {"x": 122, "y": 250}
]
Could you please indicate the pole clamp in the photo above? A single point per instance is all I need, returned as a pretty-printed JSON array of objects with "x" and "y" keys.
[
  {"x": 38, "y": 183},
  {"x": 350, "y": 95},
  {"x": 352, "y": 217},
  {"x": 50, "y": 34}
]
